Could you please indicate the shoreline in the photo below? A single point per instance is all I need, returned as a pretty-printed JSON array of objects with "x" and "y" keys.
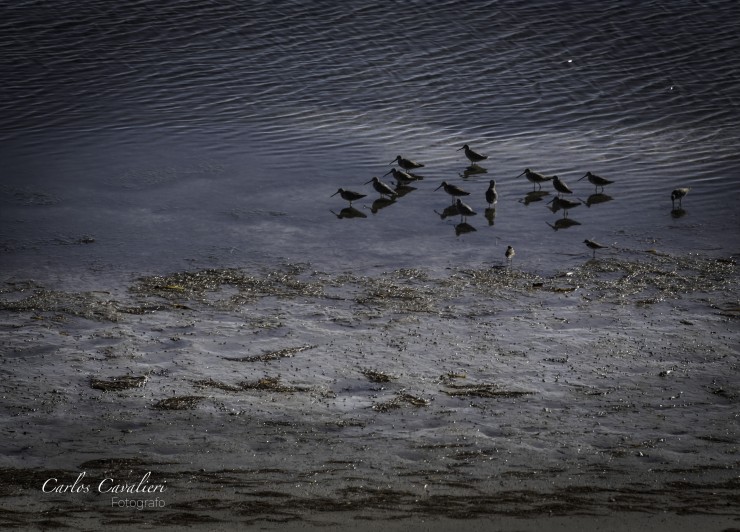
[{"x": 303, "y": 400}]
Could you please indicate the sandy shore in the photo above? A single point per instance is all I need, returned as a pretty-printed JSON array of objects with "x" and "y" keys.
[{"x": 601, "y": 398}]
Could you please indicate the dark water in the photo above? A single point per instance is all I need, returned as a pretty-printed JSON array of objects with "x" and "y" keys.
[{"x": 214, "y": 132}]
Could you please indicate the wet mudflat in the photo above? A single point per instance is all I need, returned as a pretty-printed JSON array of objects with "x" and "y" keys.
[{"x": 297, "y": 396}]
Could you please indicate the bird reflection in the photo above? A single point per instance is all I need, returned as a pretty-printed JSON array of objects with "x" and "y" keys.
[
  {"x": 535, "y": 195},
  {"x": 464, "y": 227},
  {"x": 349, "y": 212},
  {"x": 490, "y": 214},
  {"x": 563, "y": 223},
  {"x": 473, "y": 169},
  {"x": 595, "y": 199},
  {"x": 402, "y": 190},
  {"x": 678, "y": 213},
  {"x": 381, "y": 203}
]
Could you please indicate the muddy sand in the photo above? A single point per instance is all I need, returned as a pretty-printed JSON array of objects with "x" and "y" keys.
[{"x": 605, "y": 397}]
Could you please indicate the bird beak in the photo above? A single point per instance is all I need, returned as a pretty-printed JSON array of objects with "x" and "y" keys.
[
  {"x": 440, "y": 186},
  {"x": 520, "y": 175},
  {"x": 385, "y": 174},
  {"x": 582, "y": 177},
  {"x": 369, "y": 182},
  {"x": 460, "y": 149},
  {"x": 337, "y": 192},
  {"x": 392, "y": 162}
]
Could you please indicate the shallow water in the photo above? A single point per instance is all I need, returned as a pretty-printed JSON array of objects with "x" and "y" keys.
[
  {"x": 142, "y": 143},
  {"x": 176, "y": 135}
]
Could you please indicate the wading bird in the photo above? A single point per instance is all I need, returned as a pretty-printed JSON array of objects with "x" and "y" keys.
[
  {"x": 453, "y": 190},
  {"x": 534, "y": 177},
  {"x": 594, "y": 245},
  {"x": 381, "y": 187},
  {"x": 349, "y": 195},
  {"x": 472, "y": 155},
  {"x": 406, "y": 164},
  {"x": 678, "y": 194},
  {"x": 597, "y": 181},
  {"x": 491, "y": 194},
  {"x": 561, "y": 187}
]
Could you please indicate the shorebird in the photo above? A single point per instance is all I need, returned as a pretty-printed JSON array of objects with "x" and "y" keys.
[
  {"x": 562, "y": 203},
  {"x": 349, "y": 195},
  {"x": 381, "y": 187},
  {"x": 597, "y": 181},
  {"x": 402, "y": 178},
  {"x": 510, "y": 254},
  {"x": 534, "y": 177},
  {"x": 452, "y": 190},
  {"x": 472, "y": 155},
  {"x": 464, "y": 209},
  {"x": 406, "y": 164},
  {"x": 491, "y": 194},
  {"x": 561, "y": 187},
  {"x": 678, "y": 194},
  {"x": 594, "y": 245}
]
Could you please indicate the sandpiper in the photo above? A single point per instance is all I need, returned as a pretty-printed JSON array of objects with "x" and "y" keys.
[
  {"x": 561, "y": 187},
  {"x": 381, "y": 187},
  {"x": 406, "y": 164},
  {"x": 472, "y": 155},
  {"x": 510, "y": 253},
  {"x": 678, "y": 194},
  {"x": 452, "y": 190},
  {"x": 534, "y": 177},
  {"x": 491, "y": 194},
  {"x": 464, "y": 209},
  {"x": 349, "y": 195},
  {"x": 594, "y": 245},
  {"x": 597, "y": 181},
  {"x": 562, "y": 203},
  {"x": 401, "y": 177}
]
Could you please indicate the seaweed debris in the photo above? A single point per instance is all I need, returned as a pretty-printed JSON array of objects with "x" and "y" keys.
[
  {"x": 272, "y": 355},
  {"x": 115, "y": 384},
  {"x": 481, "y": 390},
  {"x": 196, "y": 284},
  {"x": 399, "y": 401},
  {"x": 377, "y": 376},
  {"x": 272, "y": 384},
  {"x": 185, "y": 402}
]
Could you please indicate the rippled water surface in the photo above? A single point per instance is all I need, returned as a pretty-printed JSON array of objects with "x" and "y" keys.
[
  {"x": 143, "y": 138},
  {"x": 216, "y": 131}
]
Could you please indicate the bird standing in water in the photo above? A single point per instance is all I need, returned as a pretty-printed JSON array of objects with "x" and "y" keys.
[
  {"x": 561, "y": 187},
  {"x": 464, "y": 209},
  {"x": 678, "y": 194},
  {"x": 382, "y": 188},
  {"x": 534, "y": 177},
  {"x": 597, "y": 181},
  {"x": 491, "y": 194},
  {"x": 349, "y": 195},
  {"x": 594, "y": 245},
  {"x": 510, "y": 254},
  {"x": 453, "y": 190},
  {"x": 406, "y": 164},
  {"x": 472, "y": 155}
]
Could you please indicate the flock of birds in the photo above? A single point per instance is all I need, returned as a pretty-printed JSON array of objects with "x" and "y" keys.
[{"x": 406, "y": 176}]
